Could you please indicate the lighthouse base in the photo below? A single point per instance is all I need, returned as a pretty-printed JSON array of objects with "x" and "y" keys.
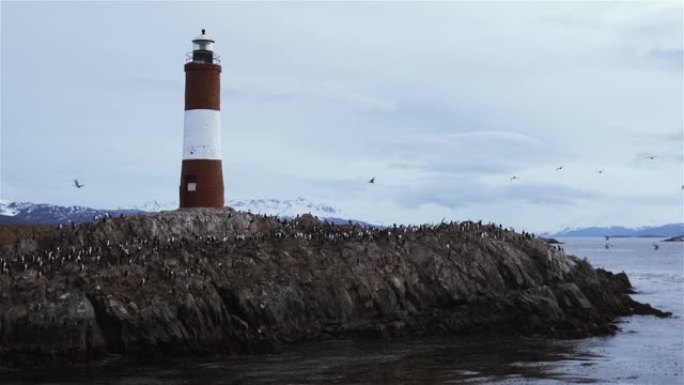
[{"x": 201, "y": 183}]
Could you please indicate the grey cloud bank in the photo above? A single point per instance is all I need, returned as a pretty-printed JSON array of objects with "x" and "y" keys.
[{"x": 442, "y": 102}]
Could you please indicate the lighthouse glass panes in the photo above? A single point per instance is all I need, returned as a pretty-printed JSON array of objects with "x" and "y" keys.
[
  {"x": 203, "y": 50},
  {"x": 202, "y": 45}
]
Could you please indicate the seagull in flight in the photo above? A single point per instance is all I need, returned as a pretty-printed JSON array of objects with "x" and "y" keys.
[
  {"x": 600, "y": 171},
  {"x": 77, "y": 185},
  {"x": 559, "y": 168},
  {"x": 514, "y": 177},
  {"x": 372, "y": 180},
  {"x": 651, "y": 157}
]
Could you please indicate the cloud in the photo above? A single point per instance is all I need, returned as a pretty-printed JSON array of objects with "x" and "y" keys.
[
  {"x": 676, "y": 137},
  {"x": 465, "y": 152},
  {"x": 651, "y": 30},
  {"x": 464, "y": 192},
  {"x": 667, "y": 148},
  {"x": 673, "y": 57},
  {"x": 304, "y": 91}
]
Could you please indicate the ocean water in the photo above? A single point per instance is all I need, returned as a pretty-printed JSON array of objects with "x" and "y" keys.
[{"x": 648, "y": 350}]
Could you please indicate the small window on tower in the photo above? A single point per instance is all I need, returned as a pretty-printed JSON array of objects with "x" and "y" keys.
[{"x": 191, "y": 182}]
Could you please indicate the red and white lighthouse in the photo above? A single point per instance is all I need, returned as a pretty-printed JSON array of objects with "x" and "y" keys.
[{"x": 201, "y": 182}]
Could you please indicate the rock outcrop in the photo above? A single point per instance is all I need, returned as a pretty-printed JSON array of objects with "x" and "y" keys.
[{"x": 205, "y": 281}]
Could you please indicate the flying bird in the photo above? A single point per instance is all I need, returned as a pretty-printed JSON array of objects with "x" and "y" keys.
[
  {"x": 559, "y": 168},
  {"x": 607, "y": 237},
  {"x": 372, "y": 180},
  {"x": 655, "y": 246},
  {"x": 77, "y": 185},
  {"x": 514, "y": 177},
  {"x": 599, "y": 171},
  {"x": 651, "y": 157}
]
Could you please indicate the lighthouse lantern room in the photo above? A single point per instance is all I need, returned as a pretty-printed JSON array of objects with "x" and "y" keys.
[
  {"x": 201, "y": 183},
  {"x": 203, "y": 49}
]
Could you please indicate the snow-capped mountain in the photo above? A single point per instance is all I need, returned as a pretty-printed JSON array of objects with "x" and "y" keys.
[
  {"x": 279, "y": 207},
  {"x": 8, "y": 208},
  {"x": 27, "y": 212},
  {"x": 284, "y": 208},
  {"x": 669, "y": 230},
  {"x": 155, "y": 206}
]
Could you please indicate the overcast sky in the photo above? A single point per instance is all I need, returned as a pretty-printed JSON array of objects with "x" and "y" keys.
[{"x": 442, "y": 102}]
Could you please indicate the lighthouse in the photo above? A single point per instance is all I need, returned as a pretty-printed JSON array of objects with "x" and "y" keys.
[{"x": 201, "y": 183}]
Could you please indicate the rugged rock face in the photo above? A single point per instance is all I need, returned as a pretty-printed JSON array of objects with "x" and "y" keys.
[{"x": 201, "y": 281}]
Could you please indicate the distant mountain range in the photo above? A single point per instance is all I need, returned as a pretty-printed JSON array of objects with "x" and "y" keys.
[
  {"x": 669, "y": 230},
  {"x": 279, "y": 207},
  {"x": 41, "y": 213}
]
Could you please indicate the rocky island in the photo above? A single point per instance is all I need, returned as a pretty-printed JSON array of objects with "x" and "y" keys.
[{"x": 204, "y": 281}]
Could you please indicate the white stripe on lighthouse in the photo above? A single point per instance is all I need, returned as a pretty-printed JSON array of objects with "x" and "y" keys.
[{"x": 202, "y": 134}]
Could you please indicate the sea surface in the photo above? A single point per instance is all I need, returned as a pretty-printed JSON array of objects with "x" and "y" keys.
[{"x": 648, "y": 350}]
